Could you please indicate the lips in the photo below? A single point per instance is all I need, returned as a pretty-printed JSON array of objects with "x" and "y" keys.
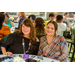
[
  {"x": 25, "y": 31},
  {"x": 48, "y": 31}
]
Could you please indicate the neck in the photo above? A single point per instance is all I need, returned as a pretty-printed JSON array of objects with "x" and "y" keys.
[
  {"x": 58, "y": 21},
  {"x": 27, "y": 36},
  {"x": 6, "y": 22},
  {"x": 50, "y": 36}
]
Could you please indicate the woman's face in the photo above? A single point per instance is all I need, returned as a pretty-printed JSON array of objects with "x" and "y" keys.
[
  {"x": 50, "y": 29},
  {"x": 51, "y": 18},
  {"x": 25, "y": 30}
]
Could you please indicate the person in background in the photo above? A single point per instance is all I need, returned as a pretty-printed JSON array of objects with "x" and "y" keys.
[
  {"x": 39, "y": 26},
  {"x": 56, "y": 13},
  {"x": 22, "y": 16},
  {"x": 71, "y": 15},
  {"x": 5, "y": 30},
  {"x": 32, "y": 18},
  {"x": 3, "y": 12},
  {"x": 52, "y": 45},
  {"x": 22, "y": 41},
  {"x": 61, "y": 26},
  {"x": 65, "y": 20},
  {"x": 51, "y": 18},
  {"x": 7, "y": 22}
]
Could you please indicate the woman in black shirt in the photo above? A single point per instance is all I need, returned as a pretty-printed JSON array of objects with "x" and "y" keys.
[{"x": 22, "y": 41}]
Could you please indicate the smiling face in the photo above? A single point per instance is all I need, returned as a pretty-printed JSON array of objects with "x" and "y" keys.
[
  {"x": 50, "y": 29},
  {"x": 25, "y": 30}
]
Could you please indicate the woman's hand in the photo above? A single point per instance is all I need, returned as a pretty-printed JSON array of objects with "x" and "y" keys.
[{"x": 8, "y": 53}]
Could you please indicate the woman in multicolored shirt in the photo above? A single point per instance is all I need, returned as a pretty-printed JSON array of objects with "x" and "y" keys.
[{"x": 52, "y": 45}]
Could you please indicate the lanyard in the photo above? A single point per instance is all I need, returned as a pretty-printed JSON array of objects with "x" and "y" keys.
[{"x": 23, "y": 43}]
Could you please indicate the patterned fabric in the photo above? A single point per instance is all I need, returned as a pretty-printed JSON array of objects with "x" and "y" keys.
[{"x": 57, "y": 49}]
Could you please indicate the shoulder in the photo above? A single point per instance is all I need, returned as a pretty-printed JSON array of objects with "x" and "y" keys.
[
  {"x": 64, "y": 24},
  {"x": 43, "y": 38},
  {"x": 3, "y": 26},
  {"x": 61, "y": 38},
  {"x": 14, "y": 34},
  {"x": 11, "y": 35},
  {"x": 22, "y": 18},
  {"x": 37, "y": 39}
]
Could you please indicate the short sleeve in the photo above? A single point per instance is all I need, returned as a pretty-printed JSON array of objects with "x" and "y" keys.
[{"x": 8, "y": 41}]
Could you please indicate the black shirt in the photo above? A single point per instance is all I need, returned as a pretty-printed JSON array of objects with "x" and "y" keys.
[{"x": 14, "y": 44}]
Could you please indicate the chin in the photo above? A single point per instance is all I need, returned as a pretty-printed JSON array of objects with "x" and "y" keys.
[
  {"x": 26, "y": 33},
  {"x": 50, "y": 34}
]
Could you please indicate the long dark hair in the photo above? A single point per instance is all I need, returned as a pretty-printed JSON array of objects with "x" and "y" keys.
[
  {"x": 40, "y": 25},
  {"x": 32, "y": 35}
]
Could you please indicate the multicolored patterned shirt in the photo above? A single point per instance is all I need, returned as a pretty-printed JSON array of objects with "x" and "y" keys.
[{"x": 57, "y": 49}]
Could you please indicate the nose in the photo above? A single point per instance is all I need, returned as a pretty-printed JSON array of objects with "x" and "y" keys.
[{"x": 49, "y": 29}]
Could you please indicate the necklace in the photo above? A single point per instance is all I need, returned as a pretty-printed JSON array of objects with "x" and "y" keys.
[{"x": 23, "y": 44}]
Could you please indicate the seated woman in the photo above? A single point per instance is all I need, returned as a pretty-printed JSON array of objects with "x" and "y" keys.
[
  {"x": 6, "y": 27},
  {"x": 52, "y": 45},
  {"x": 22, "y": 41}
]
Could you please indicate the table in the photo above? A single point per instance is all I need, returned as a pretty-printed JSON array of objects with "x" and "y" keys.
[{"x": 45, "y": 59}]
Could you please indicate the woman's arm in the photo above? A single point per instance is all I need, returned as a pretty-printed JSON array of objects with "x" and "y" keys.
[
  {"x": 12, "y": 24},
  {"x": 64, "y": 50},
  {"x": 6, "y": 42},
  {"x": 3, "y": 50},
  {"x": 6, "y": 53},
  {"x": 40, "y": 52}
]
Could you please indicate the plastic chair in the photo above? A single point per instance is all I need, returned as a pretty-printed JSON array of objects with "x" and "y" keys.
[{"x": 71, "y": 49}]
